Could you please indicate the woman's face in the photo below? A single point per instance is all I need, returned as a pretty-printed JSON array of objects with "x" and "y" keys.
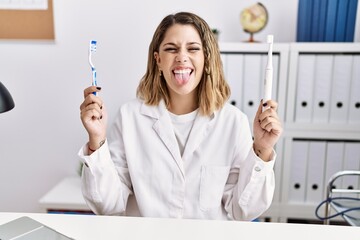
[{"x": 181, "y": 59}]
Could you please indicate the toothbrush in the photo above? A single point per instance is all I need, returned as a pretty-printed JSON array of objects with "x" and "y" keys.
[
  {"x": 268, "y": 73},
  {"x": 92, "y": 49}
]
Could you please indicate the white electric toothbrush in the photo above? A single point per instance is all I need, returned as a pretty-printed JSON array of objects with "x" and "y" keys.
[
  {"x": 268, "y": 73},
  {"x": 92, "y": 49}
]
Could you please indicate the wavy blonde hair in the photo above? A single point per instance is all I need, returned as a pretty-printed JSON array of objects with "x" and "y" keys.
[{"x": 213, "y": 90}]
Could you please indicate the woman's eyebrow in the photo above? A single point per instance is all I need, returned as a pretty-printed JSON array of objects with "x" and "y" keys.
[
  {"x": 170, "y": 43},
  {"x": 173, "y": 44}
]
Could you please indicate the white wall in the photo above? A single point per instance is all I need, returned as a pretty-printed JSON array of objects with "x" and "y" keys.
[{"x": 40, "y": 138}]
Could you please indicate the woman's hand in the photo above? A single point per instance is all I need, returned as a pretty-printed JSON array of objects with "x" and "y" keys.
[
  {"x": 267, "y": 130},
  {"x": 94, "y": 117}
]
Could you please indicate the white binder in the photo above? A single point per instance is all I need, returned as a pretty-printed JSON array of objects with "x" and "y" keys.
[
  {"x": 334, "y": 160},
  {"x": 354, "y": 104},
  {"x": 275, "y": 82},
  {"x": 304, "y": 93},
  {"x": 351, "y": 162},
  {"x": 223, "y": 57},
  {"x": 322, "y": 88},
  {"x": 252, "y": 84},
  {"x": 315, "y": 172},
  {"x": 298, "y": 171},
  {"x": 235, "y": 77},
  {"x": 340, "y": 88}
]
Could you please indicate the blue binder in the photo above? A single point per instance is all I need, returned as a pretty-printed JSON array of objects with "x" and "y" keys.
[
  {"x": 331, "y": 20},
  {"x": 351, "y": 18}
]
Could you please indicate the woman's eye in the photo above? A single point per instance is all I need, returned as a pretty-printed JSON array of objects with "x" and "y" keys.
[
  {"x": 194, "y": 49},
  {"x": 170, "y": 49}
]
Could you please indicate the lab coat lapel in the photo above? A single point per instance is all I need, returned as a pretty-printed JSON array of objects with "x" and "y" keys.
[
  {"x": 198, "y": 133},
  {"x": 164, "y": 129}
]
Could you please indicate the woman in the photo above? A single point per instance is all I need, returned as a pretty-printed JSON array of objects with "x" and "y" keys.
[{"x": 180, "y": 148}]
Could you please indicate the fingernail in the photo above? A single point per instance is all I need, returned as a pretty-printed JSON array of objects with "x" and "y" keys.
[
  {"x": 265, "y": 104},
  {"x": 98, "y": 88},
  {"x": 100, "y": 107},
  {"x": 101, "y": 117}
]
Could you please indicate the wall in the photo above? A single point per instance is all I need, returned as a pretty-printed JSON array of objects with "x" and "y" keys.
[{"x": 40, "y": 138}]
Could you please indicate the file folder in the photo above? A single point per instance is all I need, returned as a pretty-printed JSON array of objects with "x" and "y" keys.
[
  {"x": 315, "y": 172},
  {"x": 322, "y": 88},
  {"x": 235, "y": 77},
  {"x": 252, "y": 84},
  {"x": 304, "y": 94},
  {"x": 334, "y": 159},
  {"x": 340, "y": 88},
  {"x": 351, "y": 162},
  {"x": 341, "y": 20},
  {"x": 351, "y": 20},
  {"x": 332, "y": 6},
  {"x": 298, "y": 171},
  {"x": 354, "y": 104}
]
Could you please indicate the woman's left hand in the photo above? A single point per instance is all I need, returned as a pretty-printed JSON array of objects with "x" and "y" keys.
[{"x": 267, "y": 129}]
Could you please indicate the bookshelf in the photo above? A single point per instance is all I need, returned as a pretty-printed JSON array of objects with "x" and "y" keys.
[{"x": 332, "y": 124}]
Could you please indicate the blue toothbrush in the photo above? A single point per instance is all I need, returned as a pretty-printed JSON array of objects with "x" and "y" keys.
[{"x": 92, "y": 49}]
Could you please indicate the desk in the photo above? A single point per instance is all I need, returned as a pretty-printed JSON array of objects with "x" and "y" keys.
[
  {"x": 92, "y": 227},
  {"x": 66, "y": 196}
]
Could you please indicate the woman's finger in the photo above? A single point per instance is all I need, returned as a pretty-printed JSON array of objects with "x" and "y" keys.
[
  {"x": 91, "y": 99},
  {"x": 91, "y": 90}
]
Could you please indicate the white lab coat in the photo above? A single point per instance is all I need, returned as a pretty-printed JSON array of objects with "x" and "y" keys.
[{"x": 218, "y": 177}]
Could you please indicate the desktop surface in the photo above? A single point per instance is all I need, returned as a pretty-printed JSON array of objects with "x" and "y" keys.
[{"x": 89, "y": 227}]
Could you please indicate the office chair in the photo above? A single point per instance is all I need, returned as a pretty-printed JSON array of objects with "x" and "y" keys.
[{"x": 346, "y": 203}]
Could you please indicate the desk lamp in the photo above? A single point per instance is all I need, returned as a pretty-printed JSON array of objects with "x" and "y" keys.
[{"x": 6, "y": 101}]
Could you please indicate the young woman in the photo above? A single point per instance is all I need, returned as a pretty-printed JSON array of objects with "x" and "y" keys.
[{"x": 179, "y": 148}]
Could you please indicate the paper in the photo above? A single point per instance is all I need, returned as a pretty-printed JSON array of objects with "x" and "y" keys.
[{"x": 24, "y": 4}]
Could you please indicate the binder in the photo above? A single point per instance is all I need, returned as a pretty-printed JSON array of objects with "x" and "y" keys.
[
  {"x": 351, "y": 162},
  {"x": 351, "y": 20},
  {"x": 322, "y": 20},
  {"x": 276, "y": 63},
  {"x": 340, "y": 88},
  {"x": 304, "y": 94},
  {"x": 315, "y": 172},
  {"x": 252, "y": 84},
  {"x": 354, "y": 103},
  {"x": 223, "y": 57},
  {"x": 341, "y": 19},
  {"x": 298, "y": 171},
  {"x": 322, "y": 88},
  {"x": 334, "y": 160},
  {"x": 304, "y": 21},
  {"x": 314, "y": 37},
  {"x": 235, "y": 77},
  {"x": 331, "y": 20}
]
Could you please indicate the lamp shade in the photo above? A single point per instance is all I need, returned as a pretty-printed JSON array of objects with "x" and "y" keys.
[{"x": 6, "y": 101}]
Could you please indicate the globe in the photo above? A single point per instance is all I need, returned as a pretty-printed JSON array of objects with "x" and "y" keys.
[{"x": 253, "y": 19}]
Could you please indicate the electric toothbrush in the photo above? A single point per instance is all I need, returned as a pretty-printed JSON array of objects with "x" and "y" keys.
[{"x": 268, "y": 73}]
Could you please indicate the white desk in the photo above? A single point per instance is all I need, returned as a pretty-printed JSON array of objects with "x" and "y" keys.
[
  {"x": 66, "y": 196},
  {"x": 87, "y": 227}
]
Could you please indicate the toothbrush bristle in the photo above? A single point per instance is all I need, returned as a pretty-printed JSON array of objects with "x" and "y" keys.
[
  {"x": 270, "y": 38},
  {"x": 93, "y": 45}
]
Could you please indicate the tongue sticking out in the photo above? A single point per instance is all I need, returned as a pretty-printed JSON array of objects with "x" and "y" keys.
[{"x": 182, "y": 77}]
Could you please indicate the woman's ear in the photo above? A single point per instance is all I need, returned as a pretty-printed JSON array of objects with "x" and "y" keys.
[{"x": 157, "y": 57}]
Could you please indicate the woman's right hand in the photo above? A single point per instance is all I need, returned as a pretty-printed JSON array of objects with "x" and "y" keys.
[{"x": 94, "y": 117}]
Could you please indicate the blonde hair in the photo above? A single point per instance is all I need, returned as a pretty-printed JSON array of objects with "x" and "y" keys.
[{"x": 213, "y": 90}]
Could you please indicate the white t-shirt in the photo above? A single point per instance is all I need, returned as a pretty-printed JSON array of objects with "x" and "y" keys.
[{"x": 182, "y": 127}]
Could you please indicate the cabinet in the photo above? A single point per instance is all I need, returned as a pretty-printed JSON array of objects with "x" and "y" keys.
[
  {"x": 317, "y": 86},
  {"x": 65, "y": 197}
]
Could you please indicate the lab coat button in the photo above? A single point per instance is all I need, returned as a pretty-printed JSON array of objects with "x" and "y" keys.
[{"x": 257, "y": 168}]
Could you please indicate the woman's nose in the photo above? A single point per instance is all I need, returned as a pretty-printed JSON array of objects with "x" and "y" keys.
[{"x": 181, "y": 57}]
